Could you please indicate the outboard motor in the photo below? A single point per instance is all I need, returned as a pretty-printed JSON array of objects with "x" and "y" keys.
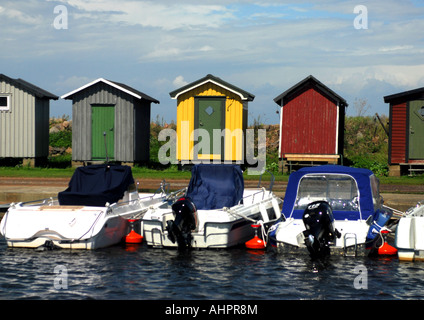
[
  {"x": 320, "y": 232},
  {"x": 179, "y": 229}
]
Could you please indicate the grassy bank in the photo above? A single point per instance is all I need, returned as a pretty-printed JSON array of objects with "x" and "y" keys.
[{"x": 173, "y": 173}]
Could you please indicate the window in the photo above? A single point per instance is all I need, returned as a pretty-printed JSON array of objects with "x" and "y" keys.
[
  {"x": 4, "y": 103},
  {"x": 340, "y": 191}
]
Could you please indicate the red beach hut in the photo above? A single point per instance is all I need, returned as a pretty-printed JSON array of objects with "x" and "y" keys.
[{"x": 311, "y": 125}]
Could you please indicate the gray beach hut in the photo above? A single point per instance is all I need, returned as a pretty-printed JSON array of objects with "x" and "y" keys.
[
  {"x": 110, "y": 122},
  {"x": 24, "y": 120}
]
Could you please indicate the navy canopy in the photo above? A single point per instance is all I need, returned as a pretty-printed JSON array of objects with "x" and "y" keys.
[
  {"x": 363, "y": 178},
  {"x": 214, "y": 186},
  {"x": 97, "y": 184}
]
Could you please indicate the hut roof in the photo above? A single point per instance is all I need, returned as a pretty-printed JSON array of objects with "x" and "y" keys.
[
  {"x": 405, "y": 95},
  {"x": 293, "y": 91},
  {"x": 36, "y": 91}
]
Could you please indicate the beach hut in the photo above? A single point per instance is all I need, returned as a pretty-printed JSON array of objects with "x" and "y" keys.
[
  {"x": 24, "y": 120},
  {"x": 311, "y": 125},
  {"x": 211, "y": 121},
  {"x": 111, "y": 122},
  {"x": 406, "y": 132}
]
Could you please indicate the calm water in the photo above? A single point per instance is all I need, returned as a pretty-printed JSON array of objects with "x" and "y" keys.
[{"x": 234, "y": 274}]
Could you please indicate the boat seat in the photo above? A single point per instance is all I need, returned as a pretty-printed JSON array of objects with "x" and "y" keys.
[
  {"x": 214, "y": 186},
  {"x": 97, "y": 185}
]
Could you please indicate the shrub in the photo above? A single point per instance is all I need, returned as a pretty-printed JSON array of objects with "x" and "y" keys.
[{"x": 61, "y": 139}]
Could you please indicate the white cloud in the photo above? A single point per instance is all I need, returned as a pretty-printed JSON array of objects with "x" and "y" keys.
[
  {"x": 179, "y": 82},
  {"x": 20, "y": 16},
  {"x": 158, "y": 14}
]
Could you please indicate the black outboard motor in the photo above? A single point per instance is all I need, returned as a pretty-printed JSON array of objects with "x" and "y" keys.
[
  {"x": 320, "y": 232},
  {"x": 185, "y": 222}
]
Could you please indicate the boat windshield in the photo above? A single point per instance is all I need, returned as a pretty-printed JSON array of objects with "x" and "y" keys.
[
  {"x": 375, "y": 189},
  {"x": 339, "y": 190}
]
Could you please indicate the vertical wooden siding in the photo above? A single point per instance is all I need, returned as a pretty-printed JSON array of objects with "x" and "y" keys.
[
  {"x": 398, "y": 129},
  {"x": 233, "y": 121},
  {"x": 24, "y": 127},
  {"x": 309, "y": 125}
]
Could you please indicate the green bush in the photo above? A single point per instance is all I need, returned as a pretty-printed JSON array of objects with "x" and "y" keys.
[
  {"x": 61, "y": 139},
  {"x": 366, "y": 144},
  {"x": 376, "y": 165}
]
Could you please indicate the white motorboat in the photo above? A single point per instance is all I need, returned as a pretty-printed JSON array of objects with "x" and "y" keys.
[
  {"x": 215, "y": 212},
  {"x": 409, "y": 236},
  {"x": 94, "y": 212},
  {"x": 333, "y": 209}
]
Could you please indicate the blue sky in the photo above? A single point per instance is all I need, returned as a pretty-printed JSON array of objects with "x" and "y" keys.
[{"x": 263, "y": 47}]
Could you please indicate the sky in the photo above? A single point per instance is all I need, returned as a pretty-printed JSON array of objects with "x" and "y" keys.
[{"x": 362, "y": 50}]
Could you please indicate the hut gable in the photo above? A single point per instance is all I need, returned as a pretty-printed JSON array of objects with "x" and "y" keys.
[
  {"x": 116, "y": 85},
  {"x": 211, "y": 80},
  {"x": 311, "y": 122}
]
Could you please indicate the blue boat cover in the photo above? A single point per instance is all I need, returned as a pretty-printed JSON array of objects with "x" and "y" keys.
[
  {"x": 362, "y": 177},
  {"x": 97, "y": 184},
  {"x": 214, "y": 186}
]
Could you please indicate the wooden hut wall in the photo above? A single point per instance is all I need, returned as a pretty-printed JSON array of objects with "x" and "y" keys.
[
  {"x": 310, "y": 124},
  {"x": 398, "y": 133},
  {"x": 142, "y": 130},
  {"x": 17, "y": 125},
  {"x": 41, "y": 136}
]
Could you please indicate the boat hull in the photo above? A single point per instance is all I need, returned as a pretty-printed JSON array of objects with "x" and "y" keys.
[
  {"x": 111, "y": 234},
  {"x": 223, "y": 228},
  {"x": 409, "y": 237},
  {"x": 71, "y": 227},
  {"x": 288, "y": 237},
  {"x": 63, "y": 227}
]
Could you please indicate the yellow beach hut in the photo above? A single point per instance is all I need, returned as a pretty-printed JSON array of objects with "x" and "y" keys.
[{"x": 211, "y": 121}]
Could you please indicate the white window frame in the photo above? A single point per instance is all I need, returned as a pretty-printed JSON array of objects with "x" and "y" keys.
[{"x": 5, "y": 108}]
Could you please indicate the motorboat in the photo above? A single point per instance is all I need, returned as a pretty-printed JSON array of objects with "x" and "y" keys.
[
  {"x": 95, "y": 211},
  {"x": 215, "y": 211},
  {"x": 333, "y": 209},
  {"x": 409, "y": 236}
]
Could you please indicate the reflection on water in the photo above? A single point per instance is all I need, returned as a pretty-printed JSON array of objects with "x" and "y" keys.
[{"x": 236, "y": 274}]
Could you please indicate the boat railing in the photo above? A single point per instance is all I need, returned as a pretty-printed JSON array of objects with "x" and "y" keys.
[
  {"x": 271, "y": 182},
  {"x": 164, "y": 188},
  {"x": 261, "y": 192},
  {"x": 40, "y": 202}
]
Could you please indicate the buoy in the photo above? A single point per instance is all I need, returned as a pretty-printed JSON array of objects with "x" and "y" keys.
[
  {"x": 256, "y": 242},
  {"x": 385, "y": 248},
  {"x": 133, "y": 237}
]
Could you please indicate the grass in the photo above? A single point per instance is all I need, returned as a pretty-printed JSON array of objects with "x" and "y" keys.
[{"x": 171, "y": 173}]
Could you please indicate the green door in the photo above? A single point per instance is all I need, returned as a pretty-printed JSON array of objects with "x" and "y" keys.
[
  {"x": 209, "y": 115},
  {"x": 102, "y": 132},
  {"x": 416, "y": 129}
]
